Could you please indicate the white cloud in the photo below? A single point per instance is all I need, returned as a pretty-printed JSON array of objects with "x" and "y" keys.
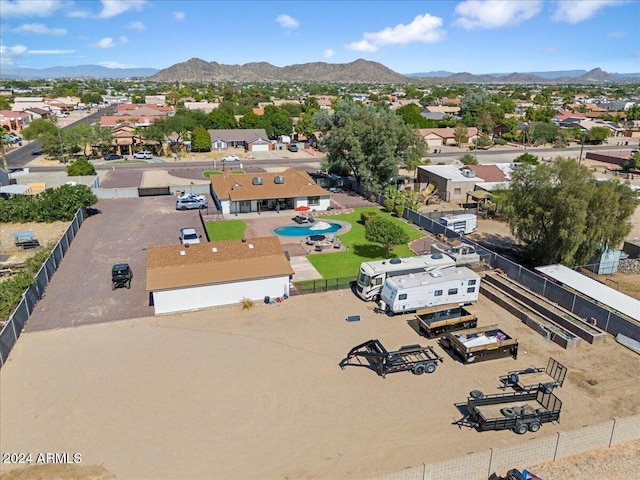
[
  {"x": 285, "y": 21},
  {"x": 576, "y": 11},
  {"x": 550, "y": 50},
  {"x": 115, "y": 65},
  {"x": 328, "y": 53},
  {"x": 9, "y": 55},
  {"x": 137, "y": 25},
  {"x": 106, "y": 42},
  {"x": 112, "y": 8},
  {"x": 29, "y": 8},
  {"x": 488, "y": 14},
  {"x": 109, "y": 42},
  {"x": 179, "y": 15},
  {"x": 78, "y": 14},
  {"x": 39, "y": 29},
  {"x": 50, "y": 52},
  {"x": 423, "y": 29}
]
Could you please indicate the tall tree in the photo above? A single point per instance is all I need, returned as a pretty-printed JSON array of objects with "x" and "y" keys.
[
  {"x": 200, "y": 140},
  {"x": 563, "y": 215},
  {"x": 386, "y": 232},
  {"x": 373, "y": 142}
]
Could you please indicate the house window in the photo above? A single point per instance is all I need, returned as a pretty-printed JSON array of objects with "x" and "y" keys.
[
  {"x": 402, "y": 296},
  {"x": 471, "y": 289},
  {"x": 457, "y": 191},
  {"x": 313, "y": 201},
  {"x": 452, "y": 291},
  {"x": 437, "y": 293}
]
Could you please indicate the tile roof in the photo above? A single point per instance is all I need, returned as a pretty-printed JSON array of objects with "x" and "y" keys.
[
  {"x": 233, "y": 261},
  {"x": 489, "y": 173},
  {"x": 240, "y": 186}
]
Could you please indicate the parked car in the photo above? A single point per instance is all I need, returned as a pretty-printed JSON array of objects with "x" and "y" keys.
[
  {"x": 145, "y": 154},
  {"x": 189, "y": 236},
  {"x": 113, "y": 156},
  {"x": 191, "y": 203},
  {"x": 121, "y": 276},
  {"x": 13, "y": 138},
  {"x": 187, "y": 196},
  {"x": 231, "y": 158},
  {"x": 293, "y": 148}
]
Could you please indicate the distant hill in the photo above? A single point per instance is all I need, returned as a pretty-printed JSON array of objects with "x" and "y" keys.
[
  {"x": 359, "y": 71},
  {"x": 94, "y": 71}
]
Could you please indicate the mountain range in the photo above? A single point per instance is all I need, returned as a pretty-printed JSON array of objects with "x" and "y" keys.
[{"x": 359, "y": 71}]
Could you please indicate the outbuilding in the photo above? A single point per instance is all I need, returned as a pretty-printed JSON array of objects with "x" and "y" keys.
[{"x": 181, "y": 278}]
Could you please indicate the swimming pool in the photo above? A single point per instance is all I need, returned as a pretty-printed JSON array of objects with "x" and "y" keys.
[{"x": 306, "y": 230}]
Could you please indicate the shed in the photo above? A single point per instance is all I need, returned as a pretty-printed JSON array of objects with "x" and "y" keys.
[{"x": 181, "y": 278}]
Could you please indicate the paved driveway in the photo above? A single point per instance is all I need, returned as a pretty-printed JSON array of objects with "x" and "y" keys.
[{"x": 80, "y": 291}]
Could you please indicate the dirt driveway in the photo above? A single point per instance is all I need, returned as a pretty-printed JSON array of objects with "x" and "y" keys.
[
  {"x": 258, "y": 394},
  {"x": 80, "y": 292}
]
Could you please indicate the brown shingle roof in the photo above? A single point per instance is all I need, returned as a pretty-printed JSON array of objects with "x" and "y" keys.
[
  {"x": 488, "y": 173},
  {"x": 233, "y": 261},
  {"x": 240, "y": 187}
]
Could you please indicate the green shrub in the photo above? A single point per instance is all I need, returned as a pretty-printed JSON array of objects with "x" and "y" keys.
[
  {"x": 399, "y": 210},
  {"x": 364, "y": 216},
  {"x": 373, "y": 198},
  {"x": 81, "y": 167},
  {"x": 389, "y": 205},
  {"x": 500, "y": 141}
]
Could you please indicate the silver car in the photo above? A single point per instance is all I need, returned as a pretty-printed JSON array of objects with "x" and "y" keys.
[{"x": 191, "y": 203}]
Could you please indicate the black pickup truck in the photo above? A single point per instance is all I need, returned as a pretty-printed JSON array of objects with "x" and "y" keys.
[{"x": 414, "y": 358}]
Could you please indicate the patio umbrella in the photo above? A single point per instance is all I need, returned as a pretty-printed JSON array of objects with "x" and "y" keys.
[{"x": 302, "y": 208}]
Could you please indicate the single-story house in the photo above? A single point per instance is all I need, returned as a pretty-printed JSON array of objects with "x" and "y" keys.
[
  {"x": 253, "y": 139},
  {"x": 247, "y": 192},
  {"x": 202, "y": 275},
  {"x": 439, "y": 137},
  {"x": 13, "y": 122},
  {"x": 451, "y": 182},
  {"x": 36, "y": 113}
]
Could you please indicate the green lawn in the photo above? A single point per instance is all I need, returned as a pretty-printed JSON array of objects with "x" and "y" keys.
[
  {"x": 347, "y": 264},
  {"x": 208, "y": 173},
  {"x": 225, "y": 230}
]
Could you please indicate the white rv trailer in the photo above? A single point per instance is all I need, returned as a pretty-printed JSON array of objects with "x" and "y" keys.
[
  {"x": 451, "y": 286},
  {"x": 462, "y": 224},
  {"x": 463, "y": 253},
  {"x": 373, "y": 274}
]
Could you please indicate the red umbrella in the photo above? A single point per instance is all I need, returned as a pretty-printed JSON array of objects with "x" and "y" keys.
[{"x": 302, "y": 208}]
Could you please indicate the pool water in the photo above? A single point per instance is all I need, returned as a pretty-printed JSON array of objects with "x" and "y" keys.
[{"x": 305, "y": 231}]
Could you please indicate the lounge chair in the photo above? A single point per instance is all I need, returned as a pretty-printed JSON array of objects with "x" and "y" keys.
[
  {"x": 319, "y": 248},
  {"x": 310, "y": 241},
  {"x": 338, "y": 244},
  {"x": 331, "y": 238}
]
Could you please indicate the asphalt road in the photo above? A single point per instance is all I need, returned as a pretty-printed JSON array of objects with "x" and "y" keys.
[{"x": 25, "y": 154}]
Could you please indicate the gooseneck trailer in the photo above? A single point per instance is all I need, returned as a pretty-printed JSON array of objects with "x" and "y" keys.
[
  {"x": 521, "y": 412},
  {"x": 414, "y": 358}
]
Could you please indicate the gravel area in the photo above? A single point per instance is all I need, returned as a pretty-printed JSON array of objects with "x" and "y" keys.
[
  {"x": 629, "y": 266},
  {"x": 621, "y": 461}
]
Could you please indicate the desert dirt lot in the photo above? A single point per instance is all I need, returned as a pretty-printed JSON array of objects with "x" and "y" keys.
[
  {"x": 258, "y": 394},
  {"x": 45, "y": 232}
]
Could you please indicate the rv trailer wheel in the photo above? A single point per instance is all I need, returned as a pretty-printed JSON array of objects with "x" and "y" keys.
[
  {"x": 520, "y": 428},
  {"x": 431, "y": 368}
]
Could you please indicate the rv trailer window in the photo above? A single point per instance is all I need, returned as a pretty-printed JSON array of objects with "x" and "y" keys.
[
  {"x": 471, "y": 289},
  {"x": 437, "y": 293},
  {"x": 452, "y": 291},
  {"x": 402, "y": 296},
  {"x": 472, "y": 282},
  {"x": 378, "y": 281}
]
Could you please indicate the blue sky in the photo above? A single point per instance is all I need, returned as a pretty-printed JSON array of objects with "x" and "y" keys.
[{"x": 476, "y": 36}]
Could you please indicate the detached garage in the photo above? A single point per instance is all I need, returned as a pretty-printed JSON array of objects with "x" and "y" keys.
[{"x": 182, "y": 278}]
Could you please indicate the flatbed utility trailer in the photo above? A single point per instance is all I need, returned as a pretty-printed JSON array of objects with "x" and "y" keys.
[
  {"x": 437, "y": 320},
  {"x": 414, "y": 358},
  {"x": 479, "y": 344},
  {"x": 517, "y": 411},
  {"x": 540, "y": 378}
]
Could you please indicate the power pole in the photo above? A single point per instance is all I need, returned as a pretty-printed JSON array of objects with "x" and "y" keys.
[{"x": 5, "y": 165}]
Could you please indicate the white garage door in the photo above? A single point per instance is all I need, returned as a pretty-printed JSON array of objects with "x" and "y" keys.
[{"x": 260, "y": 148}]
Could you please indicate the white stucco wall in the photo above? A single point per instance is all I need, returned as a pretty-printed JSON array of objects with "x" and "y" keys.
[
  {"x": 325, "y": 202},
  {"x": 195, "y": 298}
]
